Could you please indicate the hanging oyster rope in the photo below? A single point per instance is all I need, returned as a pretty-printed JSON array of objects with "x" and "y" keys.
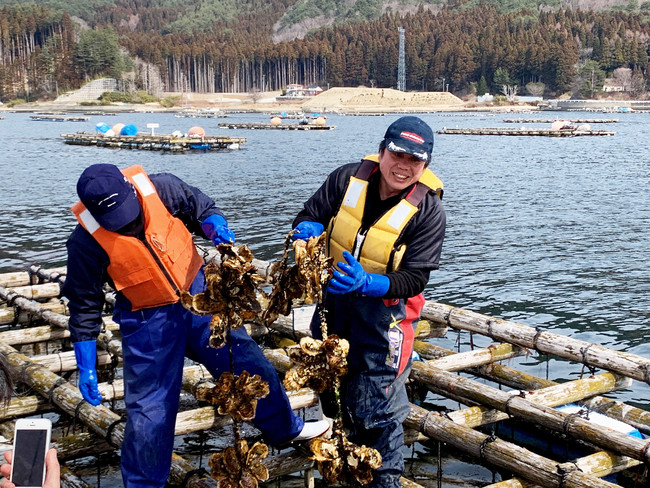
[
  {"x": 235, "y": 395},
  {"x": 238, "y": 466},
  {"x": 339, "y": 460},
  {"x": 230, "y": 293},
  {"x": 317, "y": 364}
]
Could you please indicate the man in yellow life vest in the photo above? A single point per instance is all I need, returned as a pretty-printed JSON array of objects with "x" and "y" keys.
[
  {"x": 135, "y": 232},
  {"x": 385, "y": 226}
]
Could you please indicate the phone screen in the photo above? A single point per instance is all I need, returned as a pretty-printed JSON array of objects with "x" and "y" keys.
[{"x": 29, "y": 457}]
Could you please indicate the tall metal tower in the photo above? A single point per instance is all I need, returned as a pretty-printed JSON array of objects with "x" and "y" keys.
[{"x": 401, "y": 66}]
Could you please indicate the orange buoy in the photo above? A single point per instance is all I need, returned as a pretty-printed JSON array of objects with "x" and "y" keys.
[{"x": 196, "y": 131}]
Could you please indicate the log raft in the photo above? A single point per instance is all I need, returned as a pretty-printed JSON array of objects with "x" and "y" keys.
[
  {"x": 572, "y": 121},
  {"x": 503, "y": 131},
  {"x": 34, "y": 342},
  {"x": 158, "y": 142},
  {"x": 59, "y": 118},
  {"x": 262, "y": 125}
]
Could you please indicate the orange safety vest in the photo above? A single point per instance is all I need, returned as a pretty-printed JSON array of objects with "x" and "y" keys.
[{"x": 148, "y": 273}]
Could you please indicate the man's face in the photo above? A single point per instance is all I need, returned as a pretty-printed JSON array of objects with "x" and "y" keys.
[{"x": 398, "y": 171}]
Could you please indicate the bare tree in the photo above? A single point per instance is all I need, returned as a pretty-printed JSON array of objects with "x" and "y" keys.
[
  {"x": 536, "y": 89},
  {"x": 255, "y": 94},
  {"x": 624, "y": 77},
  {"x": 510, "y": 91}
]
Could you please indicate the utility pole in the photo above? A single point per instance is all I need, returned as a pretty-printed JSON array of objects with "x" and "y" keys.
[{"x": 401, "y": 70}]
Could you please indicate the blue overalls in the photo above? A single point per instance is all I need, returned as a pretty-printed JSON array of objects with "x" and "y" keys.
[
  {"x": 155, "y": 343},
  {"x": 373, "y": 393}
]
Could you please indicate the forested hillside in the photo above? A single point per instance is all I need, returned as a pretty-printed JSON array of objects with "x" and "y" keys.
[{"x": 157, "y": 46}]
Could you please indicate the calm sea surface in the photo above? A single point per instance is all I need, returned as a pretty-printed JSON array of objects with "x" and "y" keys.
[{"x": 548, "y": 232}]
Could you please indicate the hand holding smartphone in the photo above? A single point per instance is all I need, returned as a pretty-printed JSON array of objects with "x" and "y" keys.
[{"x": 31, "y": 443}]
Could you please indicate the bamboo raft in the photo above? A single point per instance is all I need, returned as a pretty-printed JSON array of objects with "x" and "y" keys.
[
  {"x": 158, "y": 142},
  {"x": 545, "y": 121},
  {"x": 497, "y": 131},
  {"x": 262, "y": 125},
  {"x": 34, "y": 341},
  {"x": 59, "y": 118}
]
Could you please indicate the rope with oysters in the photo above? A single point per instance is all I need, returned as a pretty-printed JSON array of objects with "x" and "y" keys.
[{"x": 232, "y": 296}]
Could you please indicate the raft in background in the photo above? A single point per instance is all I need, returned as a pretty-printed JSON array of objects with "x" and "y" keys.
[
  {"x": 572, "y": 121},
  {"x": 158, "y": 142},
  {"x": 501, "y": 131},
  {"x": 35, "y": 343},
  {"x": 59, "y": 118},
  {"x": 319, "y": 123}
]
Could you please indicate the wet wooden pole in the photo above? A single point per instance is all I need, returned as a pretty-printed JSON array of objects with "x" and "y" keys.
[
  {"x": 636, "y": 417},
  {"x": 527, "y": 410},
  {"x": 497, "y": 452},
  {"x": 599, "y": 464},
  {"x": 620, "y": 362}
]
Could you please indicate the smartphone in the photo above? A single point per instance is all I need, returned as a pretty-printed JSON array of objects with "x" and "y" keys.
[{"x": 31, "y": 443}]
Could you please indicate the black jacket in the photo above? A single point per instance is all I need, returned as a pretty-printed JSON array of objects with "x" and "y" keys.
[{"x": 423, "y": 235}]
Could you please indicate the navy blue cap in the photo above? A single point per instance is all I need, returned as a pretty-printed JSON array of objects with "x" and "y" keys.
[
  {"x": 410, "y": 135},
  {"x": 108, "y": 195}
]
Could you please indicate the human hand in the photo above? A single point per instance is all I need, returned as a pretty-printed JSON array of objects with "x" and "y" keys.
[
  {"x": 306, "y": 229},
  {"x": 52, "y": 470},
  {"x": 354, "y": 278},
  {"x": 85, "y": 352},
  {"x": 216, "y": 229}
]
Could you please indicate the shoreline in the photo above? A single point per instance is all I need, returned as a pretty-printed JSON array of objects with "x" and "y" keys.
[{"x": 344, "y": 101}]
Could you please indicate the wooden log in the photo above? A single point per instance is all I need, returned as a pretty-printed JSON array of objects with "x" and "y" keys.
[
  {"x": 599, "y": 464},
  {"x": 551, "y": 396},
  {"x": 636, "y": 417},
  {"x": 477, "y": 357},
  {"x": 620, "y": 362},
  {"x": 14, "y": 298},
  {"x": 22, "y": 278},
  {"x": 43, "y": 333},
  {"x": 41, "y": 292},
  {"x": 8, "y": 315},
  {"x": 500, "y": 453},
  {"x": 71, "y": 480},
  {"x": 541, "y": 415}
]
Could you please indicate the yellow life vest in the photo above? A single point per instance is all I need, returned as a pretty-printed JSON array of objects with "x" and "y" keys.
[
  {"x": 148, "y": 274},
  {"x": 377, "y": 251}
]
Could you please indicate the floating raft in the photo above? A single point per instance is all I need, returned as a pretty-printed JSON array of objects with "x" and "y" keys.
[
  {"x": 496, "y": 131},
  {"x": 59, "y": 118},
  {"x": 34, "y": 342},
  {"x": 545, "y": 121},
  {"x": 160, "y": 142},
  {"x": 262, "y": 125}
]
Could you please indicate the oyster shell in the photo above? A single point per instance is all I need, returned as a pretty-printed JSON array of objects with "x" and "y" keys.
[{"x": 235, "y": 395}]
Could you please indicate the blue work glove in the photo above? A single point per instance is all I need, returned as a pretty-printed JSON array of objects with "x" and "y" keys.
[
  {"x": 216, "y": 229},
  {"x": 86, "y": 352},
  {"x": 307, "y": 229},
  {"x": 356, "y": 279}
]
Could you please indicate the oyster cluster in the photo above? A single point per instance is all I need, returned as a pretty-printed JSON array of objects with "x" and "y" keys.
[
  {"x": 240, "y": 466},
  {"x": 339, "y": 460},
  {"x": 306, "y": 279},
  {"x": 235, "y": 395},
  {"x": 230, "y": 294},
  {"x": 317, "y": 364}
]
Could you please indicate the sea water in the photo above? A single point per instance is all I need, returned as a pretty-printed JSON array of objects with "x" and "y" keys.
[{"x": 548, "y": 232}]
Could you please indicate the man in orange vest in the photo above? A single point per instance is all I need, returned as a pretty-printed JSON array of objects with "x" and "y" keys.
[
  {"x": 135, "y": 232},
  {"x": 385, "y": 226}
]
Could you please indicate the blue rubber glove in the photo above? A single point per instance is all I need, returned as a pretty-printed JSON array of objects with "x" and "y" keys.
[
  {"x": 356, "y": 279},
  {"x": 86, "y": 353},
  {"x": 216, "y": 229},
  {"x": 307, "y": 229}
]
